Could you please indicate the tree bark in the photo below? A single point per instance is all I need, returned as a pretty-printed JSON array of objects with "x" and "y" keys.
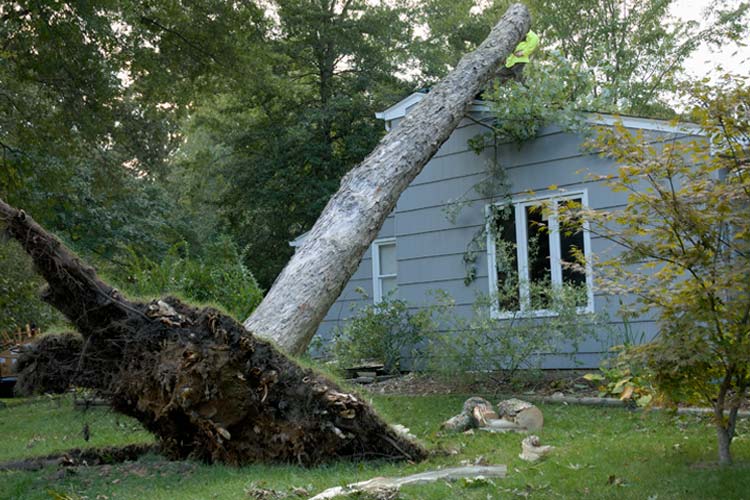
[
  {"x": 724, "y": 442},
  {"x": 195, "y": 378},
  {"x": 317, "y": 273}
]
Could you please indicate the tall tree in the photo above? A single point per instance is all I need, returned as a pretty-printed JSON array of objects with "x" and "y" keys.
[
  {"x": 91, "y": 96},
  {"x": 313, "y": 279},
  {"x": 281, "y": 139}
]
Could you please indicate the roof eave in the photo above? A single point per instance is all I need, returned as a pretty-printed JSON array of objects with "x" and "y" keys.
[{"x": 401, "y": 108}]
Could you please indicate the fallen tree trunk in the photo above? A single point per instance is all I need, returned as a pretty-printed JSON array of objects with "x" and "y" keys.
[
  {"x": 196, "y": 378},
  {"x": 314, "y": 277}
]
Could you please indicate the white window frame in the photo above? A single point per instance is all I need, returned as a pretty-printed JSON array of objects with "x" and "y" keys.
[
  {"x": 377, "y": 278},
  {"x": 522, "y": 253}
]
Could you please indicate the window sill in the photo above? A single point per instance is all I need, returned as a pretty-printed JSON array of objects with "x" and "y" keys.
[{"x": 541, "y": 313}]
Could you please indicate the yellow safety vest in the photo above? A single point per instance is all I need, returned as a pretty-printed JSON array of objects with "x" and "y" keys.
[{"x": 528, "y": 46}]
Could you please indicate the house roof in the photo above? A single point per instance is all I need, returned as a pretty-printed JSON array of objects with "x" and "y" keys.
[{"x": 401, "y": 108}]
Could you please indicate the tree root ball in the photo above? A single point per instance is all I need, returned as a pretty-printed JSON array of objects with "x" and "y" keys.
[
  {"x": 209, "y": 391},
  {"x": 49, "y": 364}
]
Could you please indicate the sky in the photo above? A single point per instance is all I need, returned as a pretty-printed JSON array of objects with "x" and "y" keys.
[{"x": 705, "y": 60}]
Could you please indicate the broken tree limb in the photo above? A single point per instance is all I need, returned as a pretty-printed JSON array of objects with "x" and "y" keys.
[
  {"x": 311, "y": 282},
  {"x": 379, "y": 484},
  {"x": 619, "y": 403},
  {"x": 196, "y": 378}
]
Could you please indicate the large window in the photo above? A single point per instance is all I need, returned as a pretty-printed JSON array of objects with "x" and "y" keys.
[
  {"x": 383, "y": 268},
  {"x": 532, "y": 251}
]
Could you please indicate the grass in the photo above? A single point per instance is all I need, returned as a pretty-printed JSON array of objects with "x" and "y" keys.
[{"x": 601, "y": 453}]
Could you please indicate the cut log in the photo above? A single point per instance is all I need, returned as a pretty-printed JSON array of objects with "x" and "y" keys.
[
  {"x": 475, "y": 413},
  {"x": 317, "y": 273},
  {"x": 532, "y": 449},
  {"x": 380, "y": 484},
  {"x": 196, "y": 378}
]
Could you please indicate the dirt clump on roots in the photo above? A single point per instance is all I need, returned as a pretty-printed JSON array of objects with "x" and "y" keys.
[
  {"x": 205, "y": 387},
  {"x": 49, "y": 365}
]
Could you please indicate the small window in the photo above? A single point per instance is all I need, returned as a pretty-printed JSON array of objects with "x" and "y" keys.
[
  {"x": 384, "y": 268},
  {"x": 530, "y": 251}
]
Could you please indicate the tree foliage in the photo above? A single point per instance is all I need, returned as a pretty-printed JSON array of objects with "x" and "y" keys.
[
  {"x": 19, "y": 290},
  {"x": 92, "y": 93},
  {"x": 635, "y": 51},
  {"x": 92, "y": 97},
  {"x": 686, "y": 237},
  {"x": 220, "y": 278},
  {"x": 280, "y": 141}
]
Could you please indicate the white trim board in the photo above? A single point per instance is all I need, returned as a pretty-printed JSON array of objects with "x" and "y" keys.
[
  {"x": 519, "y": 221},
  {"x": 401, "y": 108}
]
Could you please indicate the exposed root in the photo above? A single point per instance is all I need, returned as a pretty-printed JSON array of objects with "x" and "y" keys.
[{"x": 77, "y": 457}]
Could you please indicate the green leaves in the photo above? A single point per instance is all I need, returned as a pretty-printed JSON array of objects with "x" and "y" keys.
[
  {"x": 219, "y": 278},
  {"x": 384, "y": 332},
  {"x": 19, "y": 288}
]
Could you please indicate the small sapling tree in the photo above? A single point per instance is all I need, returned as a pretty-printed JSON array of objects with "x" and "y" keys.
[{"x": 685, "y": 230}]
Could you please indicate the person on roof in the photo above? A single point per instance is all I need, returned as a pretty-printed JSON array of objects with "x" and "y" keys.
[{"x": 515, "y": 62}]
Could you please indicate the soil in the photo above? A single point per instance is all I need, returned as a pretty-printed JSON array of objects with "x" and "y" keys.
[
  {"x": 59, "y": 354},
  {"x": 546, "y": 383},
  {"x": 89, "y": 456}
]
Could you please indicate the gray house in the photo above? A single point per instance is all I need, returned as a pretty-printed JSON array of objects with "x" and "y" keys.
[{"x": 419, "y": 249}]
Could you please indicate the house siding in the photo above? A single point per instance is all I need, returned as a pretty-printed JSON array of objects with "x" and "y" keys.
[{"x": 430, "y": 248}]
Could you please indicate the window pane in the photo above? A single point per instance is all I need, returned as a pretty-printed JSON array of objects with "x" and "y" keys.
[
  {"x": 387, "y": 285},
  {"x": 540, "y": 275},
  {"x": 506, "y": 258},
  {"x": 571, "y": 243},
  {"x": 387, "y": 259}
]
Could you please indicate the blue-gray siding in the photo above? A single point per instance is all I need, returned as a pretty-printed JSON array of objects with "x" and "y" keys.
[{"x": 430, "y": 248}]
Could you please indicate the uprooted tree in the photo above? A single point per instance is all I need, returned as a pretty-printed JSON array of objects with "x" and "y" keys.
[
  {"x": 195, "y": 378},
  {"x": 207, "y": 387}
]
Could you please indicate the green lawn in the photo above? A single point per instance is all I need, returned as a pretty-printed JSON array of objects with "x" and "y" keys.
[{"x": 601, "y": 453}]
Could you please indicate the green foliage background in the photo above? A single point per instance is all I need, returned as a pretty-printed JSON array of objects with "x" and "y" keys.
[{"x": 220, "y": 279}]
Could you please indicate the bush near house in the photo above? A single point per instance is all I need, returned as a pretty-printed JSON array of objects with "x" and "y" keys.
[
  {"x": 383, "y": 332},
  {"x": 506, "y": 345}
]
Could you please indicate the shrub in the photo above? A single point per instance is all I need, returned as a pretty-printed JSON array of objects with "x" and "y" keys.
[
  {"x": 486, "y": 343},
  {"x": 218, "y": 277},
  {"x": 624, "y": 379},
  {"x": 386, "y": 332}
]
